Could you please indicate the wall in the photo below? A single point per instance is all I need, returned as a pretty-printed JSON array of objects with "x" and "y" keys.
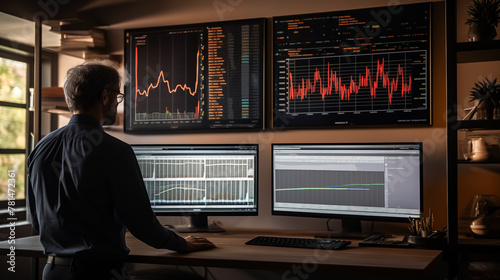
[{"x": 434, "y": 137}]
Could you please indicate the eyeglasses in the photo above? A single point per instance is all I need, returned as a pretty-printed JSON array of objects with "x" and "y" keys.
[{"x": 119, "y": 95}]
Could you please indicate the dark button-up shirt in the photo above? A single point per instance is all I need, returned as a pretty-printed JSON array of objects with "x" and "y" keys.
[{"x": 84, "y": 188}]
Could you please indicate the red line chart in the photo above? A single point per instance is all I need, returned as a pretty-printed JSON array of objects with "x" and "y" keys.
[
  {"x": 355, "y": 83},
  {"x": 170, "y": 89},
  {"x": 334, "y": 83}
]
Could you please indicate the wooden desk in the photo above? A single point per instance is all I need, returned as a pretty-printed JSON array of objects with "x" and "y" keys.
[{"x": 231, "y": 252}]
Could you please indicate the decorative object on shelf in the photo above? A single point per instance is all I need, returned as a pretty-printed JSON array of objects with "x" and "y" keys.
[
  {"x": 481, "y": 148},
  {"x": 484, "y": 16},
  {"x": 486, "y": 97},
  {"x": 423, "y": 235},
  {"x": 496, "y": 113},
  {"x": 485, "y": 212}
]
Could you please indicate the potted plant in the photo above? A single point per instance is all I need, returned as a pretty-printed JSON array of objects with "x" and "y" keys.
[
  {"x": 486, "y": 95},
  {"x": 484, "y": 16}
]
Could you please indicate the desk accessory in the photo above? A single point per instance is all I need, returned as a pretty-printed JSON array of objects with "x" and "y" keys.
[
  {"x": 423, "y": 235},
  {"x": 385, "y": 240}
]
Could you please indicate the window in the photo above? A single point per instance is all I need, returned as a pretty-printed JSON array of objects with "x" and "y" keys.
[{"x": 14, "y": 85}]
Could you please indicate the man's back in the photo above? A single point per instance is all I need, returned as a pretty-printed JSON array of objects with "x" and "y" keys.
[{"x": 88, "y": 183}]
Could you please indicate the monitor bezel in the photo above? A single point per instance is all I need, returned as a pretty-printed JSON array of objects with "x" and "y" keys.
[
  {"x": 211, "y": 212},
  {"x": 346, "y": 216},
  {"x": 205, "y": 127}
]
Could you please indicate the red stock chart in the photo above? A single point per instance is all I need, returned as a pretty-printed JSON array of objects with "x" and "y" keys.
[{"x": 359, "y": 67}]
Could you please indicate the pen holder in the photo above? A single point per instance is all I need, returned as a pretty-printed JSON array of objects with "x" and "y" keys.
[{"x": 437, "y": 243}]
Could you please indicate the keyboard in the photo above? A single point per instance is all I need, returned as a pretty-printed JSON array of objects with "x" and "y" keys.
[{"x": 310, "y": 243}]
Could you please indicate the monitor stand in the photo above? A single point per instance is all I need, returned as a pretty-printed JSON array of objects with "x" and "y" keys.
[
  {"x": 199, "y": 223},
  {"x": 351, "y": 229}
]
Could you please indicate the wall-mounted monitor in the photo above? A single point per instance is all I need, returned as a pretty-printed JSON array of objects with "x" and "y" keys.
[
  {"x": 352, "y": 182},
  {"x": 195, "y": 77},
  {"x": 199, "y": 181},
  {"x": 357, "y": 67}
]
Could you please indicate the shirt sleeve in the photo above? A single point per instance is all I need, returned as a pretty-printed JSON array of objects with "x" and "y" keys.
[
  {"x": 133, "y": 207},
  {"x": 30, "y": 197}
]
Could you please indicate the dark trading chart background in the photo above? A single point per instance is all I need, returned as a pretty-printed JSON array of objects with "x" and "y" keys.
[
  {"x": 167, "y": 84},
  {"x": 358, "y": 67},
  {"x": 233, "y": 73}
]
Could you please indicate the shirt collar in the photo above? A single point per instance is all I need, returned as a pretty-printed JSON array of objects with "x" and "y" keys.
[{"x": 81, "y": 118}]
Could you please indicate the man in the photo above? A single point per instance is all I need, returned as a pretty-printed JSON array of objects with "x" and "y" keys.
[{"x": 85, "y": 187}]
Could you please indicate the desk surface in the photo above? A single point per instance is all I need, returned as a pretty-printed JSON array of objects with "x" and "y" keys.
[{"x": 231, "y": 252}]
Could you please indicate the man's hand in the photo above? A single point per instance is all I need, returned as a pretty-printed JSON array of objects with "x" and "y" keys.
[{"x": 198, "y": 244}]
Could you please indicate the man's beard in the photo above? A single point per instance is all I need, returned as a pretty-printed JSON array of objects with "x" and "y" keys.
[{"x": 110, "y": 117}]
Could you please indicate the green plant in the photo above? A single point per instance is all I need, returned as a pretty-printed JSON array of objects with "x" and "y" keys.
[
  {"x": 484, "y": 13},
  {"x": 485, "y": 89}
]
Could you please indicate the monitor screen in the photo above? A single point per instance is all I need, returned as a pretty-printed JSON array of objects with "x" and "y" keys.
[
  {"x": 357, "y": 67},
  {"x": 353, "y": 182},
  {"x": 195, "y": 77},
  {"x": 200, "y": 180}
]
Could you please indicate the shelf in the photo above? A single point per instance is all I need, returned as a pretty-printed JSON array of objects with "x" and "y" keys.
[
  {"x": 478, "y": 46},
  {"x": 478, "y": 51},
  {"x": 463, "y": 161},
  {"x": 479, "y": 124},
  {"x": 466, "y": 250},
  {"x": 479, "y": 245}
]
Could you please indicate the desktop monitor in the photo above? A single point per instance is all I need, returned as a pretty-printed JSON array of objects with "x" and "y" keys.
[
  {"x": 351, "y": 68},
  {"x": 352, "y": 182},
  {"x": 207, "y": 76},
  {"x": 200, "y": 180}
]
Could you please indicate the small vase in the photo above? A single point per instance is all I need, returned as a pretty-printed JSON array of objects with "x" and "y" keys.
[
  {"x": 484, "y": 210},
  {"x": 485, "y": 110},
  {"x": 481, "y": 33}
]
